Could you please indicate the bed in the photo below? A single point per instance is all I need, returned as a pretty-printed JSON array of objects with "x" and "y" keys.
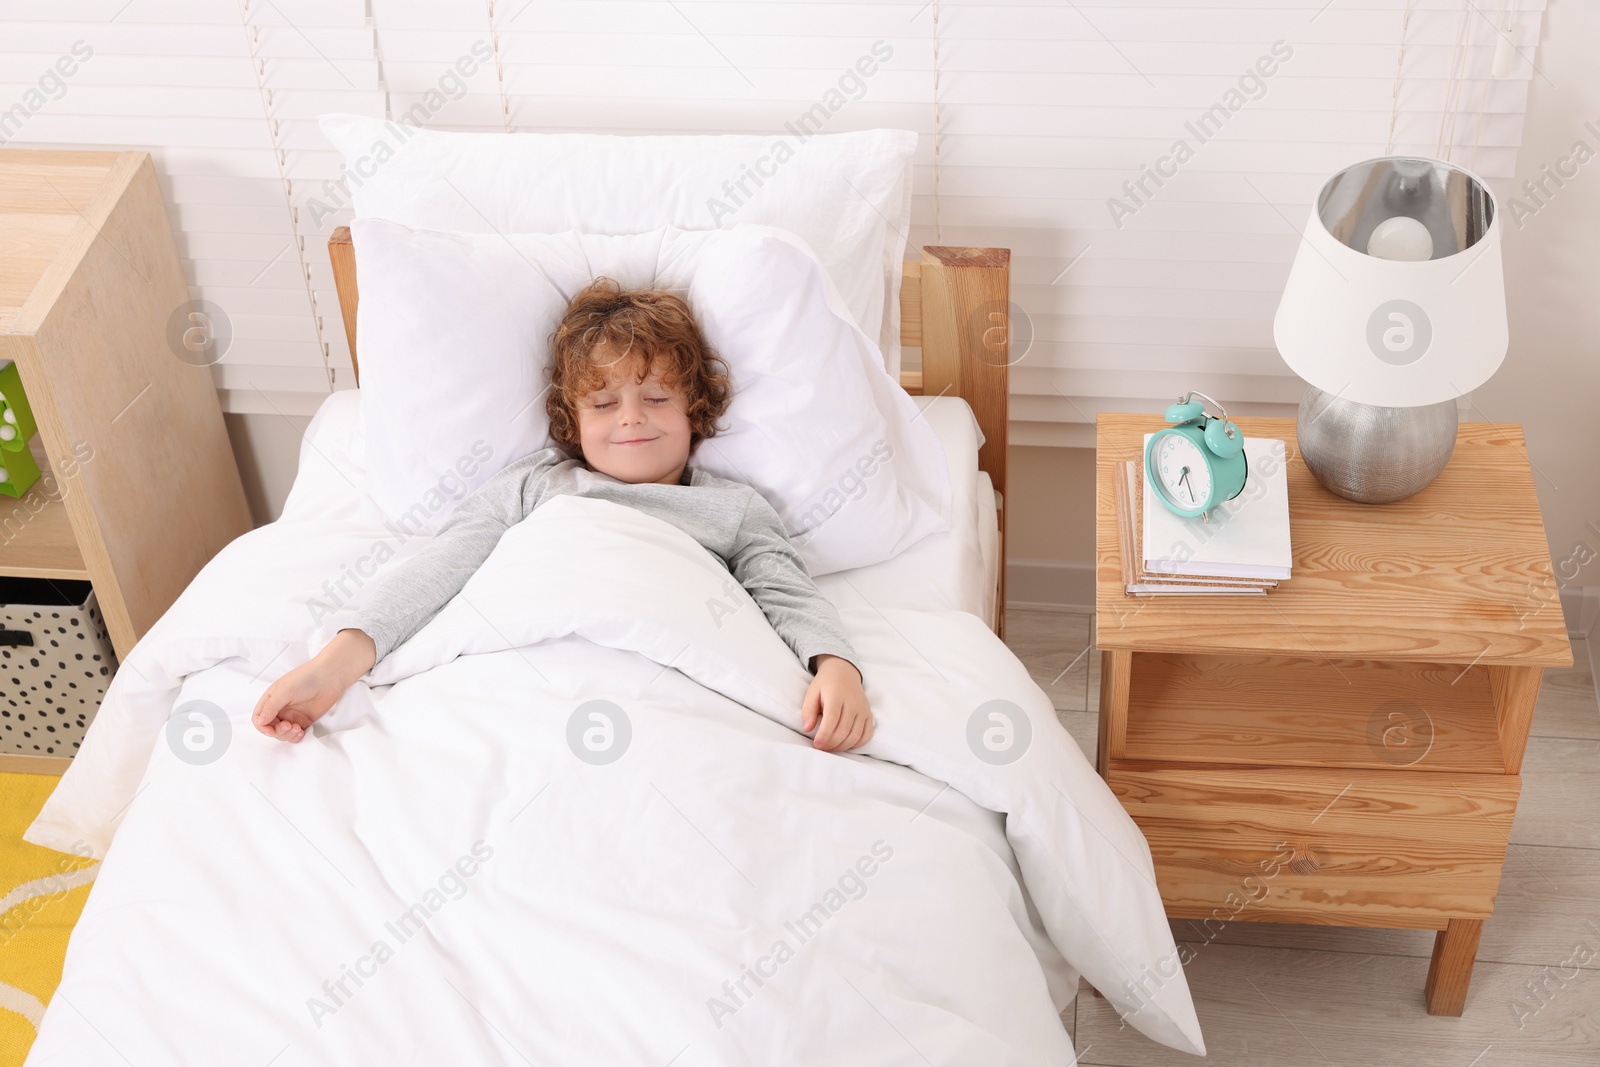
[{"x": 447, "y": 870}]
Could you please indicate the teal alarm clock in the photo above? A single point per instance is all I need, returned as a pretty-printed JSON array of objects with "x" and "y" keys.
[{"x": 1198, "y": 463}]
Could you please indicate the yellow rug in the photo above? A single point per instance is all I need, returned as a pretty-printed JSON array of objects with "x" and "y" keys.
[{"x": 41, "y": 896}]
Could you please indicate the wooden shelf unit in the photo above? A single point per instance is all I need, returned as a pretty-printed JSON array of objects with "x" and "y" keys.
[
  {"x": 1346, "y": 749},
  {"x": 138, "y": 485},
  {"x": 36, "y": 538}
]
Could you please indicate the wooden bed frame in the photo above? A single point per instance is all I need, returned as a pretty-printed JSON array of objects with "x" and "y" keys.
[{"x": 953, "y": 305}]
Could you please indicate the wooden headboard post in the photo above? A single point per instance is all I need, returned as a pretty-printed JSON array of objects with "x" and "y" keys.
[
  {"x": 964, "y": 321},
  {"x": 953, "y": 304},
  {"x": 342, "y": 254},
  {"x": 966, "y": 339}
]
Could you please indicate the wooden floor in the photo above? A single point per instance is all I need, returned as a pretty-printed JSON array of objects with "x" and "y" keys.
[{"x": 1303, "y": 996}]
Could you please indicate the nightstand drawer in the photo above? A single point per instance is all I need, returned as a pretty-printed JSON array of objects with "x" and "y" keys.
[{"x": 1367, "y": 848}]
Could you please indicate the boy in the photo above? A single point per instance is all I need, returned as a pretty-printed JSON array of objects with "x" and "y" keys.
[{"x": 633, "y": 389}]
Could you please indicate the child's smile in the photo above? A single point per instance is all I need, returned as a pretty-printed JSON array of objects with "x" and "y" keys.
[{"x": 634, "y": 431}]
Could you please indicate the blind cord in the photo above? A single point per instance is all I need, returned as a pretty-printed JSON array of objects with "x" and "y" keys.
[
  {"x": 1400, "y": 61},
  {"x": 1448, "y": 107},
  {"x": 280, "y": 155},
  {"x": 499, "y": 68},
  {"x": 1488, "y": 79},
  {"x": 938, "y": 227}
]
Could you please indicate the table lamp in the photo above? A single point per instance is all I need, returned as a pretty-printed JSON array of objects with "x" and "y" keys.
[{"x": 1394, "y": 307}]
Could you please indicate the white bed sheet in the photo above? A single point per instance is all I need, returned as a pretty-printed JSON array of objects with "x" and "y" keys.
[{"x": 238, "y": 912}]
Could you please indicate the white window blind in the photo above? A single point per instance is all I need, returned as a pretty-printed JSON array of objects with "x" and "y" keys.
[{"x": 1044, "y": 128}]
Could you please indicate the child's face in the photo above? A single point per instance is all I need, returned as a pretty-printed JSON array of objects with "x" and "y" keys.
[{"x": 634, "y": 431}]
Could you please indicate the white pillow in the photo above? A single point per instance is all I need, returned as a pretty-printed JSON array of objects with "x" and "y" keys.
[
  {"x": 454, "y": 330},
  {"x": 847, "y": 195}
]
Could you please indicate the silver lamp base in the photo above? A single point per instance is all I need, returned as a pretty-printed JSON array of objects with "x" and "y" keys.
[{"x": 1371, "y": 454}]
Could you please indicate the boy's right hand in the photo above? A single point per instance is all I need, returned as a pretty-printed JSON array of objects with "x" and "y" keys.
[{"x": 290, "y": 705}]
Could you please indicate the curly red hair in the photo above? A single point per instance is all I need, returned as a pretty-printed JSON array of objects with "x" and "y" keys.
[{"x": 650, "y": 330}]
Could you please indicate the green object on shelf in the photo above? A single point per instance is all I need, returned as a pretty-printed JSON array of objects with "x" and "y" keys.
[
  {"x": 18, "y": 472},
  {"x": 16, "y": 416}
]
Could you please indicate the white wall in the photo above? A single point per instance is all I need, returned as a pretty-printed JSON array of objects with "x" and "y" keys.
[
  {"x": 1550, "y": 382},
  {"x": 267, "y": 449}
]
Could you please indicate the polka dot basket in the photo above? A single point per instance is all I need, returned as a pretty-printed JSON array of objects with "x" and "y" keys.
[{"x": 56, "y": 662}]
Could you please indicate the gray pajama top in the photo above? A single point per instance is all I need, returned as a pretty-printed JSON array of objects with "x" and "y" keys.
[{"x": 729, "y": 519}]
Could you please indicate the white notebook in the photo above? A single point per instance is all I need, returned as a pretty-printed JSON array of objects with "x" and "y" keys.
[
  {"x": 1247, "y": 537},
  {"x": 1195, "y": 590}
]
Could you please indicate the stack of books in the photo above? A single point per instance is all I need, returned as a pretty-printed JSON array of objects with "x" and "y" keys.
[{"x": 1244, "y": 549}]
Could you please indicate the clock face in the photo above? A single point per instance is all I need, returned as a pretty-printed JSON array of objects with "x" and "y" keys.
[{"x": 1185, "y": 477}]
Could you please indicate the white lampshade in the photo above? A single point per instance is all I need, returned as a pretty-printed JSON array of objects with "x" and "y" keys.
[{"x": 1397, "y": 332}]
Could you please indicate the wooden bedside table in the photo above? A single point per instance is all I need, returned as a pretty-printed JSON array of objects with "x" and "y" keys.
[
  {"x": 1344, "y": 750},
  {"x": 138, "y": 487}
]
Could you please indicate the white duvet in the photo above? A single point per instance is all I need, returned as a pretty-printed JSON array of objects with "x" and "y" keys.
[{"x": 573, "y": 821}]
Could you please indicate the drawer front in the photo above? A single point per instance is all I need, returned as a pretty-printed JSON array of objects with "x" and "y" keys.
[{"x": 1356, "y": 848}]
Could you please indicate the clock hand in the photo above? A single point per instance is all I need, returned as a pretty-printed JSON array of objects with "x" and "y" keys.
[{"x": 1183, "y": 481}]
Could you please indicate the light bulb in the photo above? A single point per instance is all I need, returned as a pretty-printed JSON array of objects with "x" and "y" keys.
[{"x": 1401, "y": 238}]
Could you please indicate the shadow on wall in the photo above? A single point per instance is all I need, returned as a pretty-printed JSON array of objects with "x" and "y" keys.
[
  {"x": 1051, "y": 505},
  {"x": 266, "y": 449}
]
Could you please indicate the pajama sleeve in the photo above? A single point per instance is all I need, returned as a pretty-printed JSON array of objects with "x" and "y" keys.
[
  {"x": 772, "y": 572},
  {"x": 412, "y": 592}
]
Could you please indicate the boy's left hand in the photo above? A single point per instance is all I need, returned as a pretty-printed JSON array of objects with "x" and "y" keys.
[{"x": 836, "y": 697}]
